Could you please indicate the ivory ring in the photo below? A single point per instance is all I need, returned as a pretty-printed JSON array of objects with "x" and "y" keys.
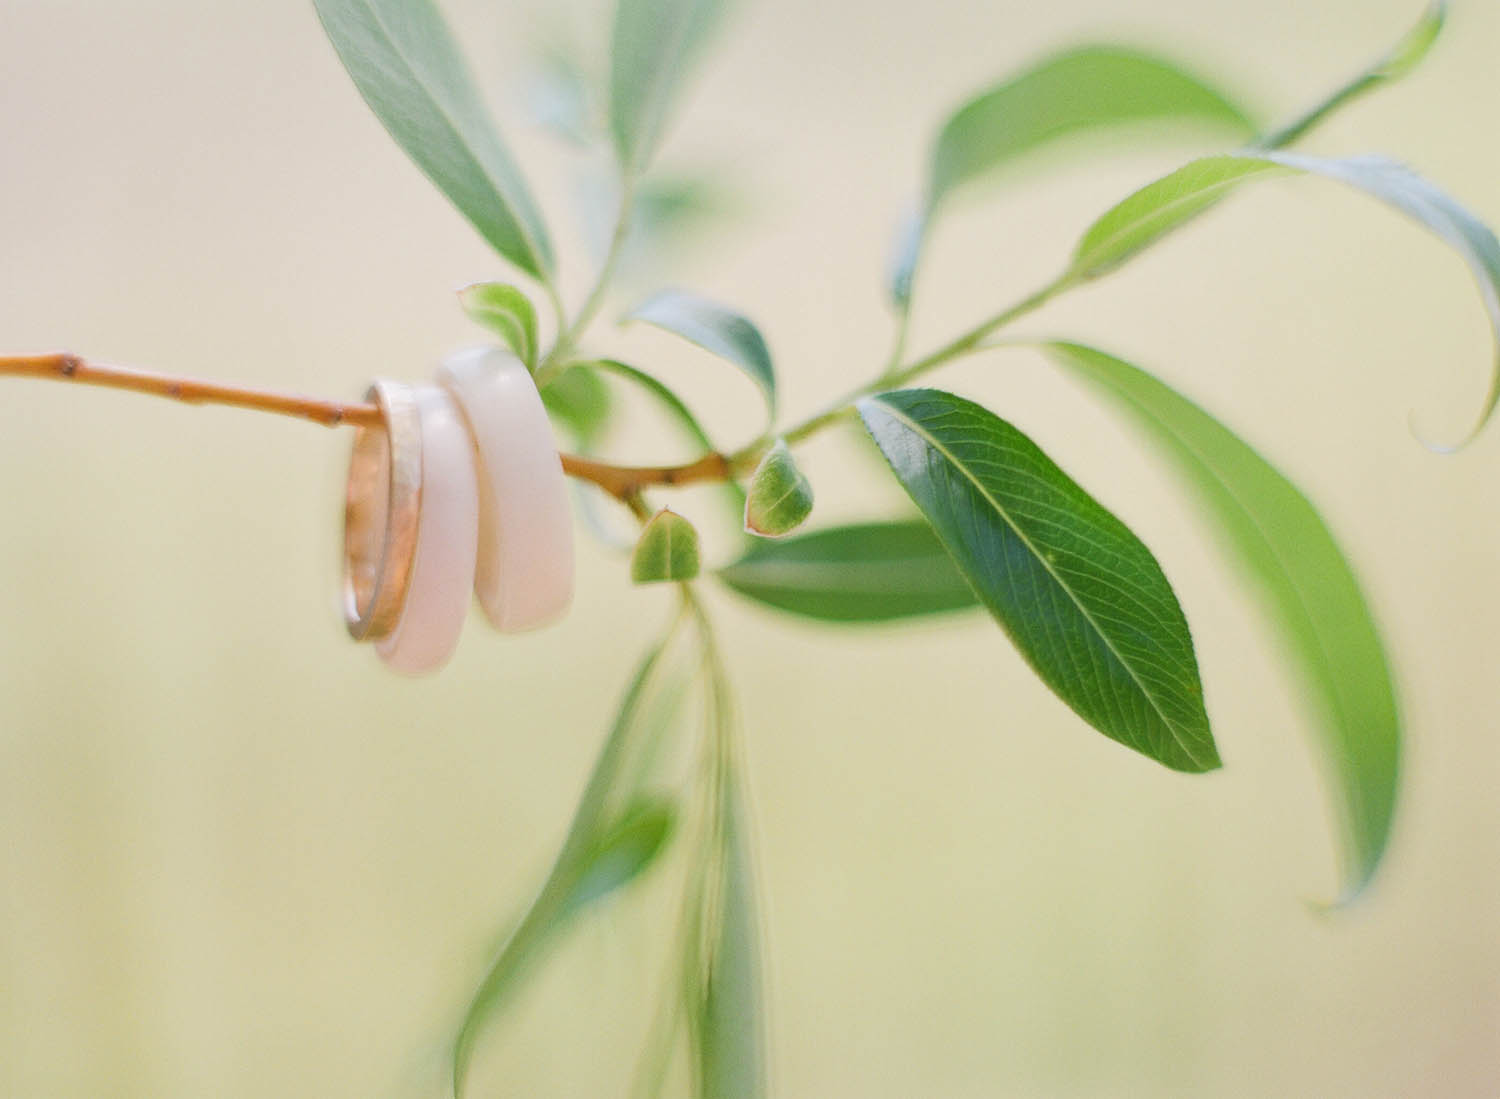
[
  {"x": 381, "y": 503},
  {"x": 442, "y": 572},
  {"x": 524, "y": 574}
]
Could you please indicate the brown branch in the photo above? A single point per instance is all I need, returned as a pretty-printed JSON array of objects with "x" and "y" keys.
[{"x": 622, "y": 482}]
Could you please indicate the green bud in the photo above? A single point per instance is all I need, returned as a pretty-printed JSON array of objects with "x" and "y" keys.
[
  {"x": 780, "y": 496},
  {"x": 668, "y": 550}
]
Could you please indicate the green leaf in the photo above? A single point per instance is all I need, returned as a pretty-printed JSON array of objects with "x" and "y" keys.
[
  {"x": 404, "y": 62},
  {"x": 1305, "y": 583},
  {"x": 655, "y": 44},
  {"x": 1162, "y": 206},
  {"x": 1081, "y": 597},
  {"x": 780, "y": 496},
  {"x": 1083, "y": 90},
  {"x": 623, "y": 852},
  {"x": 869, "y": 572},
  {"x": 667, "y": 550},
  {"x": 505, "y": 311},
  {"x": 558, "y": 96},
  {"x": 614, "y": 780},
  {"x": 727, "y": 1024},
  {"x": 1400, "y": 60},
  {"x": 716, "y": 329},
  {"x": 578, "y": 399}
]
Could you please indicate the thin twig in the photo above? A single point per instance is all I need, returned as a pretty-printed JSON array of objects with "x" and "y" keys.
[{"x": 621, "y": 482}]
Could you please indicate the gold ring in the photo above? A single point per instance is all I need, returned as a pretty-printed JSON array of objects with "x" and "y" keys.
[{"x": 382, "y": 503}]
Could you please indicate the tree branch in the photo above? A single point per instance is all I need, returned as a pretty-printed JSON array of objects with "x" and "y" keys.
[{"x": 622, "y": 482}]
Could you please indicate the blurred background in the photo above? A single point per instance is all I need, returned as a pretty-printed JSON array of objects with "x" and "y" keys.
[{"x": 240, "y": 859}]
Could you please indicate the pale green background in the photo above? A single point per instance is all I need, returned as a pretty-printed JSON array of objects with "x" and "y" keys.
[{"x": 240, "y": 859}]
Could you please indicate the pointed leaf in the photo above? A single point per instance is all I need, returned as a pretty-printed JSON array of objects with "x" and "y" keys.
[
  {"x": 622, "y": 853},
  {"x": 404, "y": 62},
  {"x": 1305, "y": 583},
  {"x": 1081, "y": 597},
  {"x": 655, "y": 44},
  {"x": 716, "y": 329},
  {"x": 869, "y": 572},
  {"x": 505, "y": 311},
  {"x": 667, "y": 550},
  {"x": 780, "y": 496},
  {"x": 1160, "y": 207}
]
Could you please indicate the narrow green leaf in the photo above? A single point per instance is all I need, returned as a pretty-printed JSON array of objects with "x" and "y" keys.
[
  {"x": 505, "y": 311},
  {"x": 1083, "y": 90},
  {"x": 1162, "y": 206},
  {"x": 869, "y": 572},
  {"x": 1396, "y": 63},
  {"x": 654, "y": 46},
  {"x": 1306, "y": 585},
  {"x": 730, "y": 1042},
  {"x": 780, "y": 496},
  {"x": 404, "y": 62},
  {"x": 578, "y": 399},
  {"x": 1081, "y": 597},
  {"x": 667, "y": 550},
  {"x": 719, "y": 330},
  {"x": 610, "y": 784},
  {"x": 623, "y": 852}
]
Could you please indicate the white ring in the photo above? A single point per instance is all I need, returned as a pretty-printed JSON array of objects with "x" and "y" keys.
[
  {"x": 442, "y": 574},
  {"x": 524, "y": 575}
]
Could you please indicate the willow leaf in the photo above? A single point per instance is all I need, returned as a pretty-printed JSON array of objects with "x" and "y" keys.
[
  {"x": 405, "y": 63},
  {"x": 1306, "y": 584},
  {"x": 1080, "y": 596}
]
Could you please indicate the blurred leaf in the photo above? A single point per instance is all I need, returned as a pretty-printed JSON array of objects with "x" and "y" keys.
[
  {"x": 1304, "y": 582},
  {"x": 1160, "y": 207},
  {"x": 674, "y": 206},
  {"x": 505, "y": 311},
  {"x": 655, "y": 43},
  {"x": 559, "y": 99},
  {"x": 727, "y": 1024},
  {"x": 402, "y": 58},
  {"x": 667, "y": 550},
  {"x": 588, "y": 836},
  {"x": 1081, "y": 597},
  {"x": 780, "y": 496},
  {"x": 870, "y": 572},
  {"x": 716, "y": 329},
  {"x": 623, "y": 852},
  {"x": 579, "y": 400},
  {"x": 1400, "y": 60},
  {"x": 1086, "y": 89}
]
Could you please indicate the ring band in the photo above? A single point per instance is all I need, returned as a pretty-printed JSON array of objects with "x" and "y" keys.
[
  {"x": 383, "y": 499},
  {"x": 524, "y": 573},
  {"x": 441, "y": 583}
]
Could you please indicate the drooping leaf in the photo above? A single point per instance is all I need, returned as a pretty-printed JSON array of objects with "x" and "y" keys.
[
  {"x": 727, "y": 1027},
  {"x": 1306, "y": 584},
  {"x": 404, "y": 62},
  {"x": 780, "y": 496},
  {"x": 1164, "y": 205},
  {"x": 1396, "y": 63},
  {"x": 715, "y": 328},
  {"x": 667, "y": 550},
  {"x": 869, "y": 572},
  {"x": 578, "y": 399},
  {"x": 654, "y": 46},
  {"x": 1084, "y": 601},
  {"x": 612, "y": 786},
  {"x": 1087, "y": 89},
  {"x": 505, "y": 311}
]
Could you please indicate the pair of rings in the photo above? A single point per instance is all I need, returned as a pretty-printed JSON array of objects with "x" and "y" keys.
[{"x": 458, "y": 493}]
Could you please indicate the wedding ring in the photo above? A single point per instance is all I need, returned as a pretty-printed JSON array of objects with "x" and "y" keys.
[
  {"x": 524, "y": 573},
  {"x": 383, "y": 498},
  {"x": 439, "y": 590}
]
